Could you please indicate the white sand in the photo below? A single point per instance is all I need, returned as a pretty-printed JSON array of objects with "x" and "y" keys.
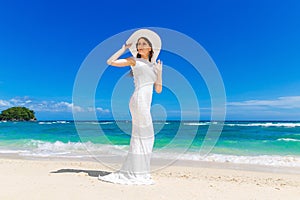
[{"x": 34, "y": 179}]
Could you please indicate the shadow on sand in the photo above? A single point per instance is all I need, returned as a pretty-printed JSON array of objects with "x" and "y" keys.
[{"x": 92, "y": 173}]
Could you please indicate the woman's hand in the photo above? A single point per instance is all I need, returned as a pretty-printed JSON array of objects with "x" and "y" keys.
[
  {"x": 115, "y": 61},
  {"x": 158, "y": 66},
  {"x": 126, "y": 46}
]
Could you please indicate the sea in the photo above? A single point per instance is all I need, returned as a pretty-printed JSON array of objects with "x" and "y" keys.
[{"x": 266, "y": 143}]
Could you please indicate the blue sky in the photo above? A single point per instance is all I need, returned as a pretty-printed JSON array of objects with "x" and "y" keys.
[{"x": 255, "y": 45}]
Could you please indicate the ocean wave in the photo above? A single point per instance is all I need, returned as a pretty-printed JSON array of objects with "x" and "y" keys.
[
  {"x": 196, "y": 123},
  {"x": 106, "y": 122},
  {"x": 266, "y": 160},
  {"x": 61, "y": 122},
  {"x": 161, "y": 122},
  {"x": 268, "y": 124},
  {"x": 55, "y": 122},
  {"x": 58, "y": 145},
  {"x": 95, "y": 123},
  {"x": 288, "y": 139},
  {"x": 38, "y": 148},
  {"x": 45, "y": 122},
  {"x": 10, "y": 151}
]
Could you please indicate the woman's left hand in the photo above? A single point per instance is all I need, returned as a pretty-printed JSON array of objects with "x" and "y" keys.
[{"x": 158, "y": 65}]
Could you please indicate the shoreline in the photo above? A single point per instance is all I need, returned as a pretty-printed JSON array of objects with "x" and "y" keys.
[
  {"x": 66, "y": 179},
  {"x": 158, "y": 164},
  {"x": 161, "y": 163}
]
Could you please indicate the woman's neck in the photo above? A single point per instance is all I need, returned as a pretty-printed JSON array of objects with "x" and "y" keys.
[{"x": 144, "y": 57}]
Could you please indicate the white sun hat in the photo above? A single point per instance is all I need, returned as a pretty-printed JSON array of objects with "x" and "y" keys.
[{"x": 150, "y": 35}]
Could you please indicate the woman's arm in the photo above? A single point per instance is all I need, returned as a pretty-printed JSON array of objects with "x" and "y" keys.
[
  {"x": 114, "y": 61},
  {"x": 158, "y": 82}
]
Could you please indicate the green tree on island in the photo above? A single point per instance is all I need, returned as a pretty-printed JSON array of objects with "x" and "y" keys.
[{"x": 17, "y": 114}]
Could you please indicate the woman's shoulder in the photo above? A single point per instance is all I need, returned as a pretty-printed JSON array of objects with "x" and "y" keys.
[{"x": 131, "y": 60}]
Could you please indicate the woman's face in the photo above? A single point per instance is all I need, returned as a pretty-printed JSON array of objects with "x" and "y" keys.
[{"x": 143, "y": 47}]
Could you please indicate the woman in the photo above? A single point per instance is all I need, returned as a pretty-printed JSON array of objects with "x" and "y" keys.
[{"x": 146, "y": 73}]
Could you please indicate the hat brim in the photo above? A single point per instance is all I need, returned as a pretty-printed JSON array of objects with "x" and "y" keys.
[{"x": 150, "y": 35}]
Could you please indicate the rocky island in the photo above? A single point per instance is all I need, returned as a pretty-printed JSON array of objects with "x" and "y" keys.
[{"x": 17, "y": 114}]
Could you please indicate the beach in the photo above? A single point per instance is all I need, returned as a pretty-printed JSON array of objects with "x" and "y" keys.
[
  {"x": 77, "y": 179},
  {"x": 56, "y": 160}
]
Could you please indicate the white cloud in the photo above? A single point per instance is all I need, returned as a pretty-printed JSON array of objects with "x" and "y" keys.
[
  {"x": 98, "y": 109},
  {"x": 46, "y": 106},
  {"x": 102, "y": 110},
  {"x": 4, "y": 103},
  {"x": 288, "y": 102},
  {"x": 281, "y": 108}
]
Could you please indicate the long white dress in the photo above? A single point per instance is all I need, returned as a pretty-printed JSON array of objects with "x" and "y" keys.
[{"x": 136, "y": 168}]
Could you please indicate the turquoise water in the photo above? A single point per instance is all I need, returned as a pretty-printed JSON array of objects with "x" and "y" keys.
[{"x": 267, "y": 143}]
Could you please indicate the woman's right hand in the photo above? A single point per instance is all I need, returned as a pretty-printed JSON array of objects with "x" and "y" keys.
[
  {"x": 126, "y": 46},
  {"x": 115, "y": 61}
]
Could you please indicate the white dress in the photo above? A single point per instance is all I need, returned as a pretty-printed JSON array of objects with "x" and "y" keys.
[{"x": 136, "y": 168}]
